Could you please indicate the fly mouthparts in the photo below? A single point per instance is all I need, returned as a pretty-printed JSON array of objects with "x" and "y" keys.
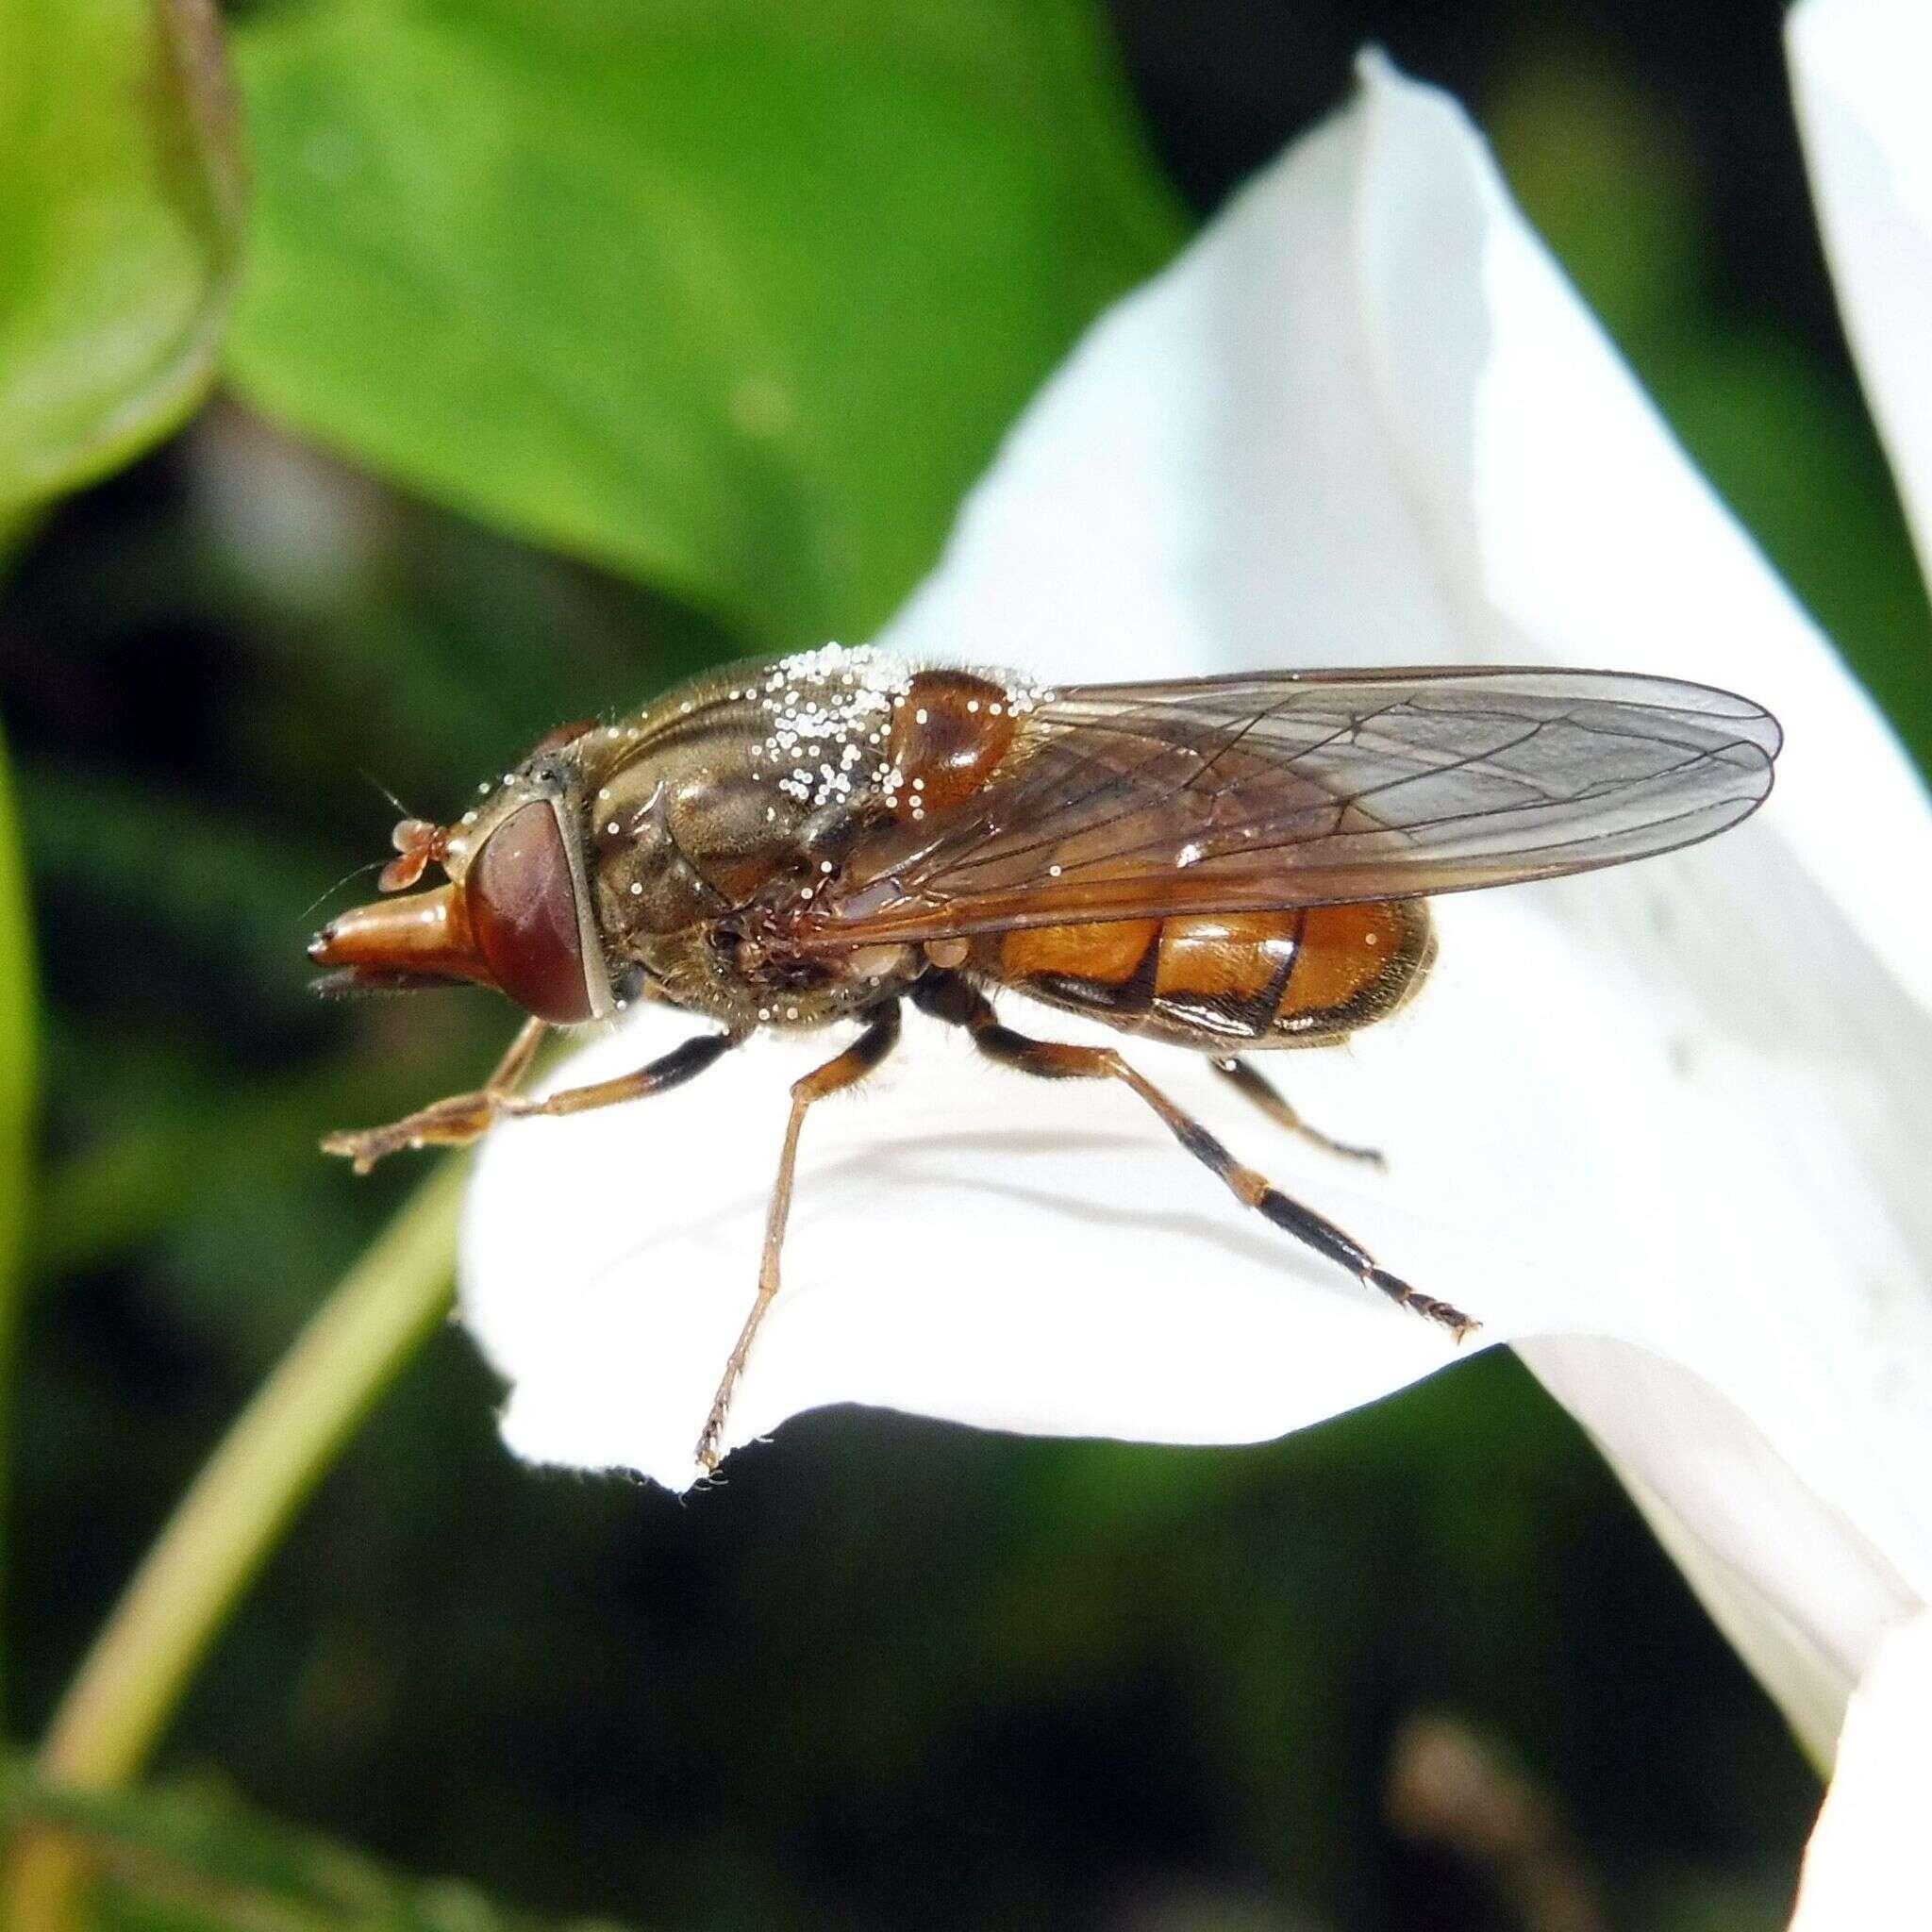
[
  {"x": 352, "y": 982},
  {"x": 343, "y": 983}
]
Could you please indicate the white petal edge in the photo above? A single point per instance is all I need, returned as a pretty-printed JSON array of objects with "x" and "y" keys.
[
  {"x": 1862, "y": 75},
  {"x": 1718, "y": 1494},
  {"x": 1365, "y": 419},
  {"x": 1521, "y": 498},
  {"x": 1866, "y": 1868},
  {"x": 1345, "y": 428}
]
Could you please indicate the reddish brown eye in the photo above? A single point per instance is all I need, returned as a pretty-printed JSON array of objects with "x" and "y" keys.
[
  {"x": 563, "y": 735},
  {"x": 524, "y": 912}
]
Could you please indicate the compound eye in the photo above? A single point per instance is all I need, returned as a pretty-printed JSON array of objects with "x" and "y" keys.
[
  {"x": 563, "y": 735},
  {"x": 524, "y": 912}
]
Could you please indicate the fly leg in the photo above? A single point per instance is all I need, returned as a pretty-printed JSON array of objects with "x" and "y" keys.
[
  {"x": 880, "y": 1035},
  {"x": 1267, "y": 1097},
  {"x": 951, "y": 999},
  {"x": 451, "y": 1122},
  {"x": 466, "y": 1117}
]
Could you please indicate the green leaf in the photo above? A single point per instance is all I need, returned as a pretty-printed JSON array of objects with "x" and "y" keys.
[
  {"x": 119, "y": 215},
  {"x": 732, "y": 295},
  {"x": 192, "y": 1860}
]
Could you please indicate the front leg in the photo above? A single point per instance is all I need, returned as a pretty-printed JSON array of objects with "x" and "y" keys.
[{"x": 466, "y": 1117}]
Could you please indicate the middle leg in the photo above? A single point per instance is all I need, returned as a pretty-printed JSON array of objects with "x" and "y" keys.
[
  {"x": 947, "y": 997},
  {"x": 865, "y": 1053}
]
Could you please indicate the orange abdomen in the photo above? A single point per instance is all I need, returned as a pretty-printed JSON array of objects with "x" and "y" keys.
[{"x": 1208, "y": 980}]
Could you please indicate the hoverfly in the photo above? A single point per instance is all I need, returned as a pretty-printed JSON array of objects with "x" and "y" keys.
[{"x": 1229, "y": 864}]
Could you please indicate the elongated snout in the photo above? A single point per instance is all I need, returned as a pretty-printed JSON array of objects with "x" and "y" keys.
[{"x": 424, "y": 935}]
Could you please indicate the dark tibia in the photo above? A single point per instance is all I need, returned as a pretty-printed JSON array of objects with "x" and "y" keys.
[{"x": 466, "y": 1117}]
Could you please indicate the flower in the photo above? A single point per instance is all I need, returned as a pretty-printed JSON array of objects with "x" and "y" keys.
[
  {"x": 1865, "y": 1864},
  {"x": 1659, "y": 1126},
  {"x": 1865, "y": 1860},
  {"x": 1860, "y": 69}
]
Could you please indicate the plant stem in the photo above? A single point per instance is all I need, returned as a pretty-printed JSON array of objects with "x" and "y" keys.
[
  {"x": 17, "y": 1086},
  {"x": 134, "y": 1676}
]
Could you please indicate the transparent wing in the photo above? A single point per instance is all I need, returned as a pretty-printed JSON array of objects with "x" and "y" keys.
[{"x": 1307, "y": 788}]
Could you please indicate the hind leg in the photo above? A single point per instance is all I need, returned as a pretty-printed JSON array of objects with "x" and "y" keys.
[{"x": 955, "y": 1000}]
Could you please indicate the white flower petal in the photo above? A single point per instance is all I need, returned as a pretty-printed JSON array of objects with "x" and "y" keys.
[
  {"x": 1365, "y": 420},
  {"x": 1437, "y": 455},
  {"x": 1862, "y": 71},
  {"x": 1678, "y": 1105},
  {"x": 963, "y": 1243},
  {"x": 969, "y": 1244},
  {"x": 1718, "y": 1495},
  {"x": 1866, "y": 1869}
]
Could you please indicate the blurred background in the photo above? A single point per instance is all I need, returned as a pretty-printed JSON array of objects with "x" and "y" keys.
[{"x": 489, "y": 452}]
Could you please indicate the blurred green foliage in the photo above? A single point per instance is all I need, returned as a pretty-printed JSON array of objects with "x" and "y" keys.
[
  {"x": 1608, "y": 173},
  {"x": 722, "y": 305},
  {"x": 193, "y": 1859},
  {"x": 120, "y": 219},
  {"x": 735, "y": 299},
  {"x": 18, "y": 1032}
]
